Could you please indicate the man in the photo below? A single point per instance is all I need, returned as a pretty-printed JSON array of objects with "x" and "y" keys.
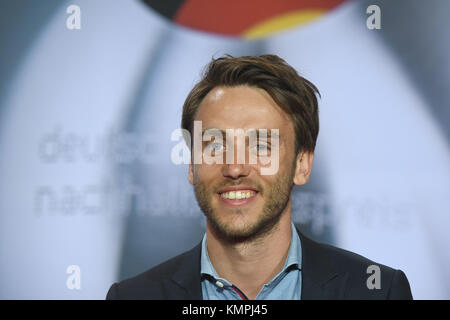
[{"x": 251, "y": 249}]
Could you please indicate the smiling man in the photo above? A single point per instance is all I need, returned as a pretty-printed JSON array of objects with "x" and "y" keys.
[{"x": 260, "y": 109}]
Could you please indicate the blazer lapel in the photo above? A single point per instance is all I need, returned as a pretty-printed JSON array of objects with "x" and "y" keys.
[
  {"x": 187, "y": 276},
  {"x": 319, "y": 279}
]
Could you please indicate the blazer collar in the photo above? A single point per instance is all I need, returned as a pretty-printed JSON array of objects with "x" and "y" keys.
[
  {"x": 187, "y": 275},
  {"x": 319, "y": 278}
]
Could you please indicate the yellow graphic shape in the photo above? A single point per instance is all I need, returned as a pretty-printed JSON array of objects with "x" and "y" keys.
[{"x": 281, "y": 22}]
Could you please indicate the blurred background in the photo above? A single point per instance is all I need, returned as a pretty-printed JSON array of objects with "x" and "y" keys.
[{"x": 91, "y": 92}]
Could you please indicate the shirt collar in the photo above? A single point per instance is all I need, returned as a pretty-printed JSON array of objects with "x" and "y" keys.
[{"x": 294, "y": 257}]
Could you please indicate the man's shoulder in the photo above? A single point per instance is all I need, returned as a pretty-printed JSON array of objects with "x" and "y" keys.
[
  {"x": 362, "y": 277},
  {"x": 153, "y": 283},
  {"x": 348, "y": 261}
]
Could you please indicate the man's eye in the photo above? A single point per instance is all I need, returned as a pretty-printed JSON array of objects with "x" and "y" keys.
[
  {"x": 215, "y": 146},
  {"x": 260, "y": 147}
]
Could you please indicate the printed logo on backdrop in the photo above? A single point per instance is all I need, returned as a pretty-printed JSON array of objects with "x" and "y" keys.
[
  {"x": 64, "y": 146},
  {"x": 115, "y": 195},
  {"x": 270, "y": 17}
]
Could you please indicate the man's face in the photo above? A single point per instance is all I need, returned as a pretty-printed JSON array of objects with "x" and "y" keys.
[{"x": 264, "y": 198}]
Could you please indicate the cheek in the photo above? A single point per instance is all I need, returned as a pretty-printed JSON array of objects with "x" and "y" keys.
[
  {"x": 206, "y": 173},
  {"x": 285, "y": 174},
  {"x": 283, "y": 161},
  {"x": 287, "y": 159}
]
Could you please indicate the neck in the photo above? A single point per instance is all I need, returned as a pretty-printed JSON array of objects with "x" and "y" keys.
[{"x": 251, "y": 264}]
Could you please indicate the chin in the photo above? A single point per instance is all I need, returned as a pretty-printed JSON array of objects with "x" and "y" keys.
[{"x": 238, "y": 229}]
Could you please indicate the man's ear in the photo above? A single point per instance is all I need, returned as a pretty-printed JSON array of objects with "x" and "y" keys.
[
  {"x": 191, "y": 174},
  {"x": 303, "y": 167}
]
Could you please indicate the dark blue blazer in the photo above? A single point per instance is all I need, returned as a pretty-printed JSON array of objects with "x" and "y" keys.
[{"x": 327, "y": 273}]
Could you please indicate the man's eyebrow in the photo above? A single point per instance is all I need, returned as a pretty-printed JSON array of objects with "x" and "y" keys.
[
  {"x": 269, "y": 132},
  {"x": 214, "y": 131}
]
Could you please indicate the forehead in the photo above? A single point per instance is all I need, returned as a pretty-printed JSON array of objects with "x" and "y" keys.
[{"x": 242, "y": 107}]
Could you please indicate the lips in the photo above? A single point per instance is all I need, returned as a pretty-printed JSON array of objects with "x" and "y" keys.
[
  {"x": 237, "y": 188},
  {"x": 237, "y": 195}
]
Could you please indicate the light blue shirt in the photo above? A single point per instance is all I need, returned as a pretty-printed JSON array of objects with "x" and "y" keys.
[{"x": 286, "y": 285}]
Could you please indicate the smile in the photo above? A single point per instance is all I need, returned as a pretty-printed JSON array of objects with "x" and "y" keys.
[{"x": 238, "y": 197}]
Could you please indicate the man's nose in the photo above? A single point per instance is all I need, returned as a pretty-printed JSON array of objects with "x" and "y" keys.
[
  {"x": 236, "y": 163},
  {"x": 235, "y": 171}
]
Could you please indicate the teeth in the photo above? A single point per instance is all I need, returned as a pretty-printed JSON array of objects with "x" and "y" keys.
[{"x": 237, "y": 195}]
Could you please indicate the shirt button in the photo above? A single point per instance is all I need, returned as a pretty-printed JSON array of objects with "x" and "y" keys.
[{"x": 219, "y": 284}]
